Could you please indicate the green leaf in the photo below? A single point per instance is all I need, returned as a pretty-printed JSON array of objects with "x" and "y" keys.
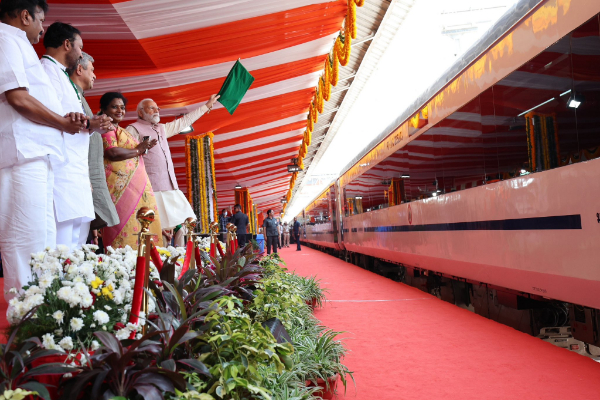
[
  {"x": 37, "y": 387},
  {"x": 179, "y": 300}
]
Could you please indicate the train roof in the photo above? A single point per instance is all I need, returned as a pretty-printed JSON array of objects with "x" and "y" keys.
[{"x": 506, "y": 22}]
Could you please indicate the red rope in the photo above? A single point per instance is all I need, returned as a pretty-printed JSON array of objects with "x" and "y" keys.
[
  {"x": 188, "y": 257},
  {"x": 198, "y": 259},
  {"x": 138, "y": 290},
  {"x": 156, "y": 258},
  {"x": 220, "y": 249}
]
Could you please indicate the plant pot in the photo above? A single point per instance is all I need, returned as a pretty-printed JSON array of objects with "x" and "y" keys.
[
  {"x": 312, "y": 303},
  {"x": 327, "y": 393},
  {"x": 54, "y": 379}
]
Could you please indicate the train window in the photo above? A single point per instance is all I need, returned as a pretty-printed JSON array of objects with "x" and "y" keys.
[
  {"x": 543, "y": 115},
  {"x": 318, "y": 211},
  {"x": 461, "y": 148},
  {"x": 489, "y": 137},
  {"x": 585, "y": 55},
  {"x": 535, "y": 126},
  {"x": 355, "y": 193}
]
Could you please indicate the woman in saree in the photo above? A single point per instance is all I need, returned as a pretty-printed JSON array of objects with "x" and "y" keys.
[{"x": 128, "y": 183}]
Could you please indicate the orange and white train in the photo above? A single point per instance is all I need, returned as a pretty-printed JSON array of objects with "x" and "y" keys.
[{"x": 486, "y": 191}]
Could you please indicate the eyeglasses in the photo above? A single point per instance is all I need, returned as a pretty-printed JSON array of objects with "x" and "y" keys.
[{"x": 155, "y": 109}]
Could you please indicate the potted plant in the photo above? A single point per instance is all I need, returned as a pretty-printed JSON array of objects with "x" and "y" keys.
[
  {"x": 312, "y": 292},
  {"x": 19, "y": 377},
  {"x": 324, "y": 353}
]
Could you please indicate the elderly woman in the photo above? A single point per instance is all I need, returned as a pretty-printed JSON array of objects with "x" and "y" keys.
[{"x": 126, "y": 176}]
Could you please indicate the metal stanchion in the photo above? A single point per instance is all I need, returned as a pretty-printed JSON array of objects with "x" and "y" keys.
[{"x": 145, "y": 217}]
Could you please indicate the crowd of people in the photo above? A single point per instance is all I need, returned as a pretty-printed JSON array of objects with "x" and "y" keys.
[{"x": 71, "y": 172}]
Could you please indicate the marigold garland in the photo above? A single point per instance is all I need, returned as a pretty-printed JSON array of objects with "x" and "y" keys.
[
  {"x": 340, "y": 55},
  {"x": 199, "y": 167}
]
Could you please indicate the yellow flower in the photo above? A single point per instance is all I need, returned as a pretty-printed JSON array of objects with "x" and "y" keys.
[
  {"x": 164, "y": 252},
  {"x": 97, "y": 282},
  {"x": 106, "y": 293}
]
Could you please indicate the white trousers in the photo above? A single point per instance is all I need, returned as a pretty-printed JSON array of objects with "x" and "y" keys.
[
  {"x": 72, "y": 233},
  {"x": 26, "y": 218}
]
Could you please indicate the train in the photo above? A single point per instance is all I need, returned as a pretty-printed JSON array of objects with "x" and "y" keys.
[{"x": 485, "y": 190}]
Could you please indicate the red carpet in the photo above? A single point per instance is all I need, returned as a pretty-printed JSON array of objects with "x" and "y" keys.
[{"x": 416, "y": 347}]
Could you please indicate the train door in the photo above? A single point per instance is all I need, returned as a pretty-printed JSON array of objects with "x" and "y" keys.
[{"x": 332, "y": 194}]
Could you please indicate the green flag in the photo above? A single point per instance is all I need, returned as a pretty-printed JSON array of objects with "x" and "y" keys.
[{"x": 234, "y": 88}]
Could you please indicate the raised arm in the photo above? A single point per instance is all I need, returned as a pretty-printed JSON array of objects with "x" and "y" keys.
[{"x": 174, "y": 127}]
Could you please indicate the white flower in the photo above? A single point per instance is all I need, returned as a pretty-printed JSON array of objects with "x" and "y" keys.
[
  {"x": 118, "y": 297},
  {"x": 48, "y": 341},
  {"x": 58, "y": 316},
  {"x": 92, "y": 325},
  {"x": 76, "y": 324},
  {"x": 123, "y": 334},
  {"x": 62, "y": 250},
  {"x": 33, "y": 289},
  {"x": 86, "y": 300},
  {"x": 45, "y": 280},
  {"x": 13, "y": 290},
  {"x": 95, "y": 345},
  {"x": 101, "y": 317},
  {"x": 66, "y": 343},
  {"x": 107, "y": 308},
  {"x": 132, "y": 327},
  {"x": 64, "y": 293},
  {"x": 81, "y": 288}
]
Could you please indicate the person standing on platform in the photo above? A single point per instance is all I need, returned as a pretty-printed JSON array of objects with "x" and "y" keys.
[
  {"x": 73, "y": 203},
  {"x": 173, "y": 207},
  {"x": 271, "y": 232},
  {"x": 31, "y": 141},
  {"x": 83, "y": 78},
  {"x": 296, "y": 230},
  {"x": 241, "y": 221},
  {"x": 286, "y": 234},
  {"x": 279, "y": 233},
  {"x": 223, "y": 221},
  {"x": 126, "y": 177}
]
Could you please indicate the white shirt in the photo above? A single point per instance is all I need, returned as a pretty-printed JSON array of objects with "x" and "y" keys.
[
  {"x": 21, "y": 68},
  {"x": 72, "y": 188}
]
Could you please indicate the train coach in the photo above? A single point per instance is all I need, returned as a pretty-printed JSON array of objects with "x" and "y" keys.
[{"x": 485, "y": 191}]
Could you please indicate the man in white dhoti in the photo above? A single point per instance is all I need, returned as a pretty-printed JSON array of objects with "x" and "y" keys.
[
  {"x": 73, "y": 202},
  {"x": 173, "y": 207},
  {"x": 31, "y": 141}
]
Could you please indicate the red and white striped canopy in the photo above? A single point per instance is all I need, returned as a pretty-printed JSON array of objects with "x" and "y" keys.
[{"x": 178, "y": 53}]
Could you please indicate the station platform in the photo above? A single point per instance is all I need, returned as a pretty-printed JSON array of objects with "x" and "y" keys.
[{"x": 408, "y": 345}]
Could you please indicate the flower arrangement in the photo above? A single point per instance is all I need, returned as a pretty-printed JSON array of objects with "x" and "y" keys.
[{"x": 78, "y": 293}]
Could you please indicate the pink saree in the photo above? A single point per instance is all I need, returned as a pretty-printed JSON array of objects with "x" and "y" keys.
[{"x": 130, "y": 189}]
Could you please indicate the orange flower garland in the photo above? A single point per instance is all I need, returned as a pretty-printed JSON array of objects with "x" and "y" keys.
[
  {"x": 340, "y": 55},
  {"x": 200, "y": 167}
]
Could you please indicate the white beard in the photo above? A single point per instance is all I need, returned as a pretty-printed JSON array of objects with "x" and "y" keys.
[{"x": 152, "y": 118}]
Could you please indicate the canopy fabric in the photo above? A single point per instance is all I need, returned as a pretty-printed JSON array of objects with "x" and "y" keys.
[{"x": 179, "y": 53}]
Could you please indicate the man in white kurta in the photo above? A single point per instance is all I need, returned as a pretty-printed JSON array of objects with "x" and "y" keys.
[
  {"x": 73, "y": 202},
  {"x": 31, "y": 144},
  {"x": 172, "y": 205}
]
